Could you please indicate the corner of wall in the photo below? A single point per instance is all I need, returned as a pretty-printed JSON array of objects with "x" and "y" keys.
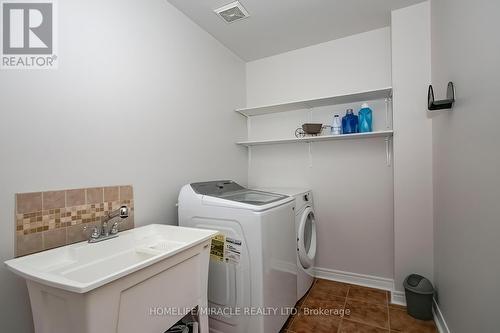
[{"x": 413, "y": 174}]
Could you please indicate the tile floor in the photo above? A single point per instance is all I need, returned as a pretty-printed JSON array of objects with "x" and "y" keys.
[{"x": 331, "y": 307}]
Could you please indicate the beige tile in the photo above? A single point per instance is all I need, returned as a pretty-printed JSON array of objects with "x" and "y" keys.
[
  {"x": 19, "y": 219},
  {"x": 95, "y": 195},
  {"x": 126, "y": 193},
  {"x": 367, "y": 313},
  {"x": 348, "y": 326},
  {"x": 127, "y": 223},
  {"x": 368, "y": 294},
  {"x": 27, "y": 244},
  {"x": 111, "y": 193},
  {"x": 75, "y": 197},
  {"x": 54, "y": 238},
  {"x": 29, "y": 202},
  {"x": 54, "y": 199},
  {"x": 76, "y": 233},
  {"x": 403, "y": 322}
]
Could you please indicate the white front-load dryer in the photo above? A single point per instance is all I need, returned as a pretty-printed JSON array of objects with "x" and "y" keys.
[{"x": 305, "y": 228}]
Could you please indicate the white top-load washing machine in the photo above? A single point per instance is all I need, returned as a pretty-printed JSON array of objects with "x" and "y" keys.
[
  {"x": 305, "y": 227},
  {"x": 253, "y": 271}
]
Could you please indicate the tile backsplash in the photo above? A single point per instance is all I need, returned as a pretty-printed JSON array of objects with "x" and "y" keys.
[{"x": 45, "y": 220}]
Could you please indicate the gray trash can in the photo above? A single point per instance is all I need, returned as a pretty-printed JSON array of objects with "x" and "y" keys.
[{"x": 419, "y": 292}]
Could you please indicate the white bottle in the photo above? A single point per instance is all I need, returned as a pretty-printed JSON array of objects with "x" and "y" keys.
[{"x": 336, "y": 125}]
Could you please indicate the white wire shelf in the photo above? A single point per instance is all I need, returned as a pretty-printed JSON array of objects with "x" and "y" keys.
[{"x": 378, "y": 134}]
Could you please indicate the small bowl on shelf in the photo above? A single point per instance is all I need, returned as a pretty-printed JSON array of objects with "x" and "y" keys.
[{"x": 312, "y": 128}]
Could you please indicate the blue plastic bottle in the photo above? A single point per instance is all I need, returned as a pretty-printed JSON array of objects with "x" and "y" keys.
[
  {"x": 365, "y": 118},
  {"x": 349, "y": 122}
]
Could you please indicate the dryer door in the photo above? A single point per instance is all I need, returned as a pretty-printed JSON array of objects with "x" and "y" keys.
[{"x": 306, "y": 238}]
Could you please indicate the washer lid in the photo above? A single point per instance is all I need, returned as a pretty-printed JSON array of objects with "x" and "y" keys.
[
  {"x": 216, "y": 188},
  {"x": 252, "y": 197},
  {"x": 290, "y": 191},
  {"x": 231, "y": 191}
]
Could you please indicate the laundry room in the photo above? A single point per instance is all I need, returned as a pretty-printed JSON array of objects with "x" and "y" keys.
[{"x": 288, "y": 166}]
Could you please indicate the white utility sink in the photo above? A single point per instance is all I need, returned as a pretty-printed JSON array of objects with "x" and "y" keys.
[{"x": 151, "y": 260}]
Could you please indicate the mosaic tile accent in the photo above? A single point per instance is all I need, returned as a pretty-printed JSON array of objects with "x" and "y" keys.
[{"x": 45, "y": 220}]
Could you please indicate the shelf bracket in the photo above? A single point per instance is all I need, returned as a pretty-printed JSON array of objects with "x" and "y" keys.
[
  {"x": 387, "y": 101},
  {"x": 310, "y": 114},
  {"x": 388, "y": 151},
  {"x": 249, "y": 159},
  {"x": 310, "y": 155}
]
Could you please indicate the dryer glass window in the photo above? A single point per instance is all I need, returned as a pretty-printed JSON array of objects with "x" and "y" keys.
[{"x": 308, "y": 232}]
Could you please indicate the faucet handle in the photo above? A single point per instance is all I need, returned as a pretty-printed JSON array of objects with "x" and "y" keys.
[
  {"x": 114, "y": 228},
  {"x": 95, "y": 232}
]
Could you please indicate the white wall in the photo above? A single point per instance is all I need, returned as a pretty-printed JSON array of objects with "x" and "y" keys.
[
  {"x": 352, "y": 185},
  {"x": 142, "y": 96},
  {"x": 355, "y": 63},
  {"x": 413, "y": 208},
  {"x": 466, "y": 50}
]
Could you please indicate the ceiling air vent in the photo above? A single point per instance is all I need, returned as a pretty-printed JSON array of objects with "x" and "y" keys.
[{"x": 232, "y": 12}]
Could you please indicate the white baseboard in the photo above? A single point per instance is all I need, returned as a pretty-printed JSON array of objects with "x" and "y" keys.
[
  {"x": 439, "y": 319},
  {"x": 398, "y": 297},
  {"x": 355, "y": 278}
]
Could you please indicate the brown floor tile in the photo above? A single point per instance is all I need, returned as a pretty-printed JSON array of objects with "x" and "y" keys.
[
  {"x": 330, "y": 306},
  {"x": 330, "y": 287},
  {"x": 300, "y": 302},
  {"x": 288, "y": 323},
  {"x": 368, "y": 295},
  {"x": 316, "y": 324},
  {"x": 397, "y": 306},
  {"x": 348, "y": 326},
  {"x": 322, "y": 296},
  {"x": 402, "y": 322},
  {"x": 367, "y": 313}
]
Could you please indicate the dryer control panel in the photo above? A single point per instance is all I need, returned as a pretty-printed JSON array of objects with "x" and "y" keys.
[{"x": 303, "y": 200}]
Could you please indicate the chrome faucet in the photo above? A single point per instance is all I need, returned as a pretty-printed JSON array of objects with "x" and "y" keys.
[{"x": 106, "y": 232}]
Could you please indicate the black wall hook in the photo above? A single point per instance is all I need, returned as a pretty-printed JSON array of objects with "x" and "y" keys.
[{"x": 442, "y": 104}]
